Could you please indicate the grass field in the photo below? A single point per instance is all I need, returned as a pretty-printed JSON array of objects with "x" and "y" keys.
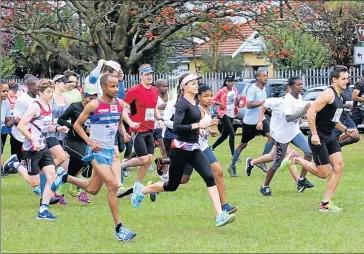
[{"x": 184, "y": 221}]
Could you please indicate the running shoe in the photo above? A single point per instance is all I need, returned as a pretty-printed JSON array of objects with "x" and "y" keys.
[
  {"x": 229, "y": 209},
  {"x": 9, "y": 167},
  {"x": 125, "y": 234},
  {"x": 288, "y": 161},
  {"x": 248, "y": 167},
  {"x": 232, "y": 171},
  {"x": 72, "y": 190},
  {"x": 121, "y": 189},
  {"x": 224, "y": 218},
  {"x": 330, "y": 207},
  {"x": 126, "y": 192},
  {"x": 37, "y": 191},
  {"x": 152, "y": 195},
  {"x": 53, "y": 201},
  {"x": 304, "y": 184},
  {"x": 263, "y": 167},
  {"x": 58, "y": 181},
  {"x": 137, "y": 196},
  {"x": 62, "y": 200},
  {"x": 83, "y": 198},
  {"x": 265, "y": 191},
  {"x": 46, "y": 215}
]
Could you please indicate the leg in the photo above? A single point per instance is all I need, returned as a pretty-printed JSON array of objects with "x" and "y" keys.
[
  {"x": 16, "y": 147},
  {"x": 225, "y": 131},
  {"x": 301, "y": 142},
  {"x": 49, "y": 172},
  {"x": 279, "y": 154},
  {"x": 115, "y": 166}
]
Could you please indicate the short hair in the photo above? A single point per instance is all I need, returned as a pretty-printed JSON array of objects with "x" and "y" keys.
[
  {"x": 31, "y": 80},
  {"x": 258, "y": 73},
  {"x": 107, "y": 68},
  {"x": 104, "y": 80},
  {"x": 161, "y": 82},
  {"x": 286, "y": 87},
  {"x": 203, "y": 88},
  {"x": 43, "y": 84},
  {"x": 335, "y": 72},
  {"x": 293, "y": 80},
  {"x": 70, "y": 73}
]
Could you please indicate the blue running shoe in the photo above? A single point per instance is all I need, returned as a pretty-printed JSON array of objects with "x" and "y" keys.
[
  {"x": 229, "y": 209},
  {"x": 9, "y": 165},
  {"x": 46, "y": 215},
  {"x": 224, "y": 218},
  {"x": 137, "y": 196},
  {"x": 152, "y": 195},
  {"x": 37, "y": 191},
  {"x": 125, "y": 234},
  {"x": 58, "y": 180}
]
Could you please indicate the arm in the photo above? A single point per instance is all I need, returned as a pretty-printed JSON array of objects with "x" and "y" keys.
[
  {"x": 9, "y": 122},
  {"x": 168, "y": 113},
  {"x": 356, "y": 96},
  {"x": 78, "y": 125},
  {"x": 66, "y": 115},
  {"x": 297, "y": 115},
  {"x": 95, "y": 73},
  {"x": 31, "y": 112},
  {"x": 251, "y": 104},
  {"x": 216, "y": 99},
  {"x": 250, "y": 96},
  {"x": 121, "y": 91},
  {"x": 178, "y": 127},
  {"x": 321, "y": 101},
  {"x": 125, "y": 116}
]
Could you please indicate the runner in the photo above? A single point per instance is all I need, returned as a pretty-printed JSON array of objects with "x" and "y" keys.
[
  {"x": 105, "y": 118},
  {"x": 186, "y": 149},
  {"x": 228, "y": 100},
  {"x": 12, "y": 96},
  {"x": 323, "y": 116},
  {"x": 74, "y": 145},
  {"x": 34, "y": 125},
  {"x": 144, "y": 111},
  {"x": 284, "y": 126},
  {"x": 71, "y": 93},
  {"x": 255, "y": 98},
  {"x": 358, "y": 98},
  {"x": 205, "y": 97}
]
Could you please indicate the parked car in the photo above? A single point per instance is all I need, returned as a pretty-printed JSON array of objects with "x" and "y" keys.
[{"x": 311, "y": 95}]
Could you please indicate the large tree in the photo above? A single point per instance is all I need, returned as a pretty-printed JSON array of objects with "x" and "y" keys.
[{"x": 123, "y": 30}]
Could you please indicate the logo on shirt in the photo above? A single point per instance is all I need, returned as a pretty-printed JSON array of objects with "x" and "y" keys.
[{"x": 104, "y": 110}]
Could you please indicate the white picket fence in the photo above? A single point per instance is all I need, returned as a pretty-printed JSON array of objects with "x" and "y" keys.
[{"x": 310, "y": 77}]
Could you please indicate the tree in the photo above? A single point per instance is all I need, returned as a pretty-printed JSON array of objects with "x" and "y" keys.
[
  {"x": 223, "y": 63},
  {"x": 121, "y": 30},
  {"x": 290, "y": 47}
]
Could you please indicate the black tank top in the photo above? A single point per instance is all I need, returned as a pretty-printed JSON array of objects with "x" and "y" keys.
[{"x": 328, "y": 117}]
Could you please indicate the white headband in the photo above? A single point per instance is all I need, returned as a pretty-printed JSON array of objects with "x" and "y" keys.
[{"x": 190, "y": 77}]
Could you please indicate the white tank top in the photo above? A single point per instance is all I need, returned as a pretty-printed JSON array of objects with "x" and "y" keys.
[
  {"x": 38, "y": 127},
  {"x": 203, "y": 141}
]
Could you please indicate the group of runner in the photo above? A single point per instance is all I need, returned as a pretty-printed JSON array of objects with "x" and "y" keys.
[{"x": 62, "y": 132}]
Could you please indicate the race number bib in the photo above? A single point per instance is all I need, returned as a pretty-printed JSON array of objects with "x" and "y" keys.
[
  {"x": 337, "y": 115},
  {"x": 230, "y": 110},
  {"x": 149, "y": 114},
  {"x": 110, "y": 132}
]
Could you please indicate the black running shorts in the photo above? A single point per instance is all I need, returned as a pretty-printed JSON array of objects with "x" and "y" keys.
[
  {"x": 37, "y": 160},
  {"x": 250, "y": 131},
  {"x": 321, "y": 153},
  {"x": 143, "y": 143}
]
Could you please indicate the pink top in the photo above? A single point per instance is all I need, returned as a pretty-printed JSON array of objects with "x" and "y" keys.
[{"x": 221, "y": 96}]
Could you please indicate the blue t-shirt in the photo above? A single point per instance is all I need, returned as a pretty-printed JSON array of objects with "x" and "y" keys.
[
  {"x": 254, "y": 94},
  {"x": 5, "y": 112}
]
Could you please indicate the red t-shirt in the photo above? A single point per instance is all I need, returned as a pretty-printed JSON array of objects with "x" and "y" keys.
[{"x": 142, "y": 103}]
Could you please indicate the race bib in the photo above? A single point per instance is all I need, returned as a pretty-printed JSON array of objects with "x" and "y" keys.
[
  {"x": 149, "y": 114},
  {"x": 113, "y": 108},
  {"x": 337, "y": 115},
  {"x": 110, "y": 132},
  {"x": 230, "y": 110}
]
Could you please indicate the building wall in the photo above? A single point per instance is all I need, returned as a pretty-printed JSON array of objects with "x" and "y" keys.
[{"x": 249, "y": 59}]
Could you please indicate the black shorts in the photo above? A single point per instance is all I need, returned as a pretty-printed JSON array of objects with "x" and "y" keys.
[
  {"x": 119, "y": 141},
  {"x": 52, "y": 142},
  {"x": 37, "y": 160},
  {"x": 143, "y": 143},
  {"x": 250, "y": 131},
  {"x": 321, "y": 153}
]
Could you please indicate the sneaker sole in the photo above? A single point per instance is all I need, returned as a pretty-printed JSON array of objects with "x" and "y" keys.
[
  {"x": 10, "y": 158},
  {"x": 232, "y": 211},
  {"x": 230, "y": 220},
  {"x": 301, "y": 189},
  {"x": 330, "y": 211},
  {"x": 40, "y": 218},
  {"x": 246, "y": 167},
  {"x": 119, "y": 239}
]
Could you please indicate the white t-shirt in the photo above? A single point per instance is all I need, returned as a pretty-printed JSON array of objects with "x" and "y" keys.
[
  {"x": 292, "y": 105},
  {"x": 161, "y": 112},
  {"x": 230, "y": 104},
  {"x": 21, "y": 106},
  {"x": 281, "y": 130},
  {"x": 203, "y": 140}
]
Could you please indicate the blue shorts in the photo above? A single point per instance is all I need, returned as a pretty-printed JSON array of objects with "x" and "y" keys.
[
  {"x": 210, "y": 156},
  {"x": 105, "y": 156},
  {"x": 348, "y": 122}
]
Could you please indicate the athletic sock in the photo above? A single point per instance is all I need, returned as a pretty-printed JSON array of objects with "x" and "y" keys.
[
  {"x": 43, "y": 207},
  {"x": 235, "y": 157},
  {"x": 301, "y": 178},
  {"x": 16, "y": 165},
  {"x": 117, "y": 227},
  {"x": 43, "y": 181},
  {"x": 64, "y": 178},
  {"x": 251, "y": 163}
]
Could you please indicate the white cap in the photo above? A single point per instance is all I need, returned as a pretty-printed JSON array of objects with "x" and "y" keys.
[{"x": 116, "y": 66}]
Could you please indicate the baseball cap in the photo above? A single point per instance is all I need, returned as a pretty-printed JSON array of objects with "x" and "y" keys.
[
  {"x": 230, "y": 77},
  {"x": 13, "y": 86},
  {"x": 146, "y": 69},
  {"x": 60, "y": 78},
  {"x": 89, "y": 89},
  {"x": 116, "y": 66},
  {"x": 190, "y": 77}
]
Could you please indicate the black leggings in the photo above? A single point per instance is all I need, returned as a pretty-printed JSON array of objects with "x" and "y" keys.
[
  {"x": 167, "y": 146},
  {"x": 227, "y": 130},
  {"x": 179, "y": 159},
  {"x": 77, "y": 150}
]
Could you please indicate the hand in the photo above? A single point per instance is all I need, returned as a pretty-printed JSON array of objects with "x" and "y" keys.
[
  {"x": 62, "y": 129},
  {"x": 121, "y": 76},
  {"x": 162, "y": 106},
  {"x": 52, "y": 127},
  {"x": 222, "y": 106},
  {"x": 260, "y": 126},
  {"x": 127, "y": 137},
  {"x": 17, "y": 119},
  {"x": 95, "y": 147},
  {"x": 134, "y": 125},
  {"x": 87, "y": 130},
  {"x": 214, "y": 121},
  {"x": 203, "y": 124},
  {"x": 160, "y": 124},
  {"x": 36, "y": 145},
  {"x": 301, "y": 121},
  {"x": 202, "y": 132},
  {"x": 308, "y": 105},
  {"x": 351, "y": 132},
  {"x": 315, "y": 140},
  {"x": 213, "y": 133}
]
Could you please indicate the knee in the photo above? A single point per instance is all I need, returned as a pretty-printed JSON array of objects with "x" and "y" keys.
[
  {"x": 150, "y": 158},
  {"x": 308, "y": 155},
  {"x": 339, "y": 167},
  {"x": 356, "y": 138},
  {"x": 61, "y": 157},
  {"x": 219, "y": 173},
  {"x": 242, "y": 146},
  {"x": 111, "y": 185},
  {"x": 210, "y": 180},
  {"x": 144, "y": 159},
  {"x": 93, "y": 191},
  {"x": 185, "y": 179},
  {"x": 51, "y": 176},
  {"x": 168, "y": 186}
]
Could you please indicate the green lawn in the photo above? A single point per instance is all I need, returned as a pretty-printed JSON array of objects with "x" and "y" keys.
[{"x": 184, "y": 221}]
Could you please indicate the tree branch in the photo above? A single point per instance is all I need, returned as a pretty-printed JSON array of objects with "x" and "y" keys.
[{"x": 52, "y": 32}]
